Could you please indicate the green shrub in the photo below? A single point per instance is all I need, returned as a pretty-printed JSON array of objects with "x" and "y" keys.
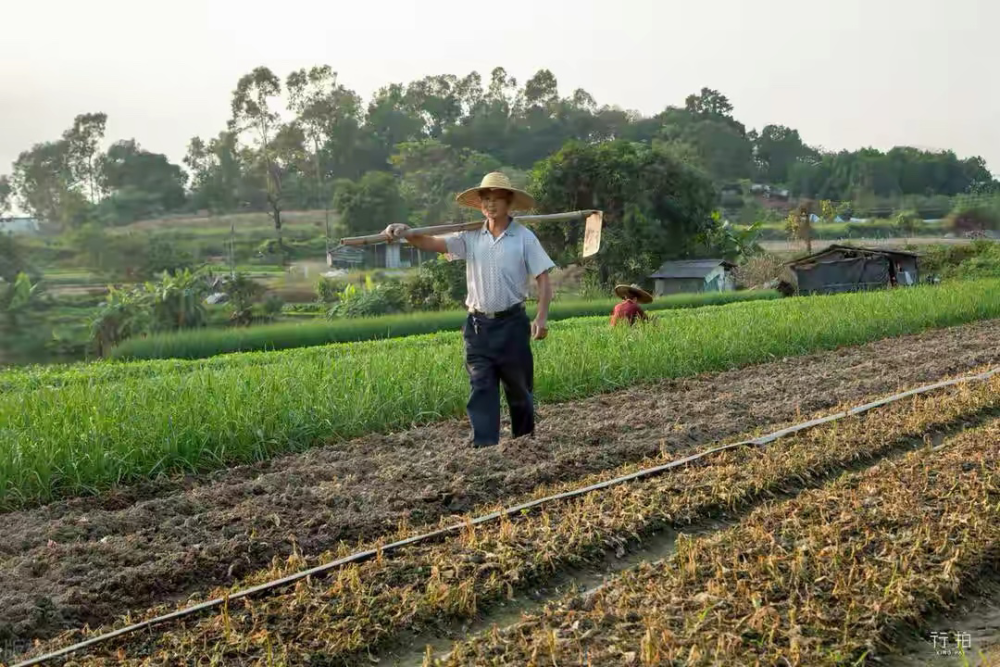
[
  {"x": 419, "y": 290},
  {"x": 273, "y": 306},
  {"x": 388, "y": 298},
  {"x": 974, "y": 217},
  {"x": 328, "y": 290}
]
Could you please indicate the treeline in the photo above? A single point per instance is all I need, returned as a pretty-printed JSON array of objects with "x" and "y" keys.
[{"x": 404, "y": 153}]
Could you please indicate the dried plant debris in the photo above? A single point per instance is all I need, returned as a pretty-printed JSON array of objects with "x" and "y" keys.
[
  {"x": 338, "y": 619},
  {"x": 815, "y": 580},
  {"x": 88, "y": 560}
]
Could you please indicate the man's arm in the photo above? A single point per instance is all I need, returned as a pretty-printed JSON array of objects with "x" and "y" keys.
[
  {"x": 539, "y": 328},
  {"x": 421, "y": 241},
  {"x": 428, "y": 243}
]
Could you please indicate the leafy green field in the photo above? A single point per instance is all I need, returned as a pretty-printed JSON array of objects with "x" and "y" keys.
[
  {"x": 73, "y": 439},
  {"x": 206, "y": 343}
]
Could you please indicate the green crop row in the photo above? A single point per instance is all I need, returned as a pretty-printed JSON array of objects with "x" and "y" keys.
[
  {"x": 71, "y": 439},
  {"x": 210, "y": 342}
]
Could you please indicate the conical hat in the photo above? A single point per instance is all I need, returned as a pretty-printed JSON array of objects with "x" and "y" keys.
[
  {"x": 496, "y": 181},
  {"x": 626, "y": 291}
]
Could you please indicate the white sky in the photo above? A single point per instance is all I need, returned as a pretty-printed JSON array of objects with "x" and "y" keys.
[{"x": 845, "y": 73}]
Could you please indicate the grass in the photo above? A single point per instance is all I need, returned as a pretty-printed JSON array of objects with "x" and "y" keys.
[
  {"x": 361, "y": 607},
  {"x": 72, "y": 439},
  {"x": 206, "y": 343}
]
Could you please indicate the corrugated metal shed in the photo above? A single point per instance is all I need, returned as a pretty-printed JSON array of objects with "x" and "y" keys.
[
  {"x": 840, "y": 249},
  {"x": 844, "y": 268},
  {"x": 690, "y": 268}
]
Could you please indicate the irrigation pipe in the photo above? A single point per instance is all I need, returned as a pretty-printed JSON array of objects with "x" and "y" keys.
[{"x": 510, "y": 511}]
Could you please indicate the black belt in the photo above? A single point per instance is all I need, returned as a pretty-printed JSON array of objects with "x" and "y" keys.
[{"x": 513, "y": 310}]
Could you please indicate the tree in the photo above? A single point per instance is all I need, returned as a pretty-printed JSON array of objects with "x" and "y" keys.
[
  {"x": 391, "y": 119},
  {"x": 432, "y": 173},
  {"x": 828, "y": 211},
  {"x": 251, "y": 111},
  {"x": 907, "y": 222},
  {"x": 438, "y": 99},
  {"x": 798, "y": 224},
  {"x": 369, "y": 204},
  {"x": 709, "y": 103},
  {"x": 654, "y": 206},
  {"x": 43, "y": 183},
  {"x": 216, "y": 173},
  {"x": 323, "y": 107},
  {"x": 776, "y": 150},
  {"x": 243, "y": 291},
  {"x": 82, "y": 141},
  {"x": 723, "y": 149},
  {"x": 139, "y": 183}
]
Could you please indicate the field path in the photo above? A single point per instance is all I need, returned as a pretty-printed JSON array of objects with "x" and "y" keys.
[{"x": 87, "y": 560}]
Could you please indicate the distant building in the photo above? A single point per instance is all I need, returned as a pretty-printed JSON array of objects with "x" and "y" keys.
[
  {"x": 694, "y": 275},
  {"x": 19, "y": 226},
  {"x": 844, "y": 268},
  {"x": 768, "y": 192},
  {"x": 345, "y": 256}
]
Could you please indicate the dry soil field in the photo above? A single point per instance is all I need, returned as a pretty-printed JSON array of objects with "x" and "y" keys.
[{"x": 779, "y": 534}]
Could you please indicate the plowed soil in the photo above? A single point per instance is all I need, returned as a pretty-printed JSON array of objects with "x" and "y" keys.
[{"x": 88, "y": 560}]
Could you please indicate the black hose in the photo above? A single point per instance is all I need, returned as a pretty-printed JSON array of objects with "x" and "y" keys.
[{"x": 362, "y": 556}]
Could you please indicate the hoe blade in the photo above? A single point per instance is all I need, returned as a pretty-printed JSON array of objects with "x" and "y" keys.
[{"x": 592, "y": 233}]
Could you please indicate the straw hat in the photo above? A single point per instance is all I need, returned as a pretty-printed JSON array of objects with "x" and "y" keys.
[
  {"x": 626, "y": 291},
  {"x": 496, "y": 181}
]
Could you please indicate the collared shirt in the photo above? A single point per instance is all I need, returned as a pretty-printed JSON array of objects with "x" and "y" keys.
[
  {"x": 497, "y": 270},
  {"x": 627, "y": 311}
]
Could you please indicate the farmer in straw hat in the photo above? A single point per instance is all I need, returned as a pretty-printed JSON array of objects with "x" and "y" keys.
[
  {"x": 628, "y": 310},
  {"x": 501, "y": 257}
]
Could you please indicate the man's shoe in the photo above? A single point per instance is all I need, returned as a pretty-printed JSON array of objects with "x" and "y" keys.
[{"x": 483, "y": 445}]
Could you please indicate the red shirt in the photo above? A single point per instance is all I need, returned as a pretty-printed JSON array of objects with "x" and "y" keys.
[{"x": 627, "y": 310}]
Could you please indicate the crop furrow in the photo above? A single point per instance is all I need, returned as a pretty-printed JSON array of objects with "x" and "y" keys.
[
  {"x": 337, "y": 619},
  {"x": 816, "y": 580}
]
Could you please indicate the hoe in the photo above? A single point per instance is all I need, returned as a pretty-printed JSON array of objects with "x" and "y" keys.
[{"x": 591, "y": 235}]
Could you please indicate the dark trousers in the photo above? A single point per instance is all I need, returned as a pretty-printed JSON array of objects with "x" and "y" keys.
[{"x": 498, "y": 351}]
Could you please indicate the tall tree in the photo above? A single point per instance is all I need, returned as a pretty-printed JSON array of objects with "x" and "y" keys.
[
  {"x": 709, "y": 103},
  {"x": 722, "y": 146},
  {"x": 438, "y": 100},
  {"x": 43, "y": 183},
  {"x": 654, "y": 205},
  {"x": 776, "y": 150},
  {"x": 370, "y": 203},
  {"x": 216, "y": 173},
  {"x": 432, "y": 173},
  {"x": 82, "y": 141},
  {"x": 391, "y": 119},
  {"x": 324, "y": 109},
  {"x": 252, "y": 112},
  {"x": 139, "y": 183}
]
